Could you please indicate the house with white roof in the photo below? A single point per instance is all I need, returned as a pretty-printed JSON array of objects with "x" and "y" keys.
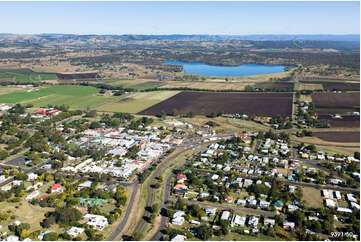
[
  {"x": 355, "y": 205},
  {"x": 351, "y": 198},
  {"x": 32, "y": 176},
  {"x": 253, "y": 221},
  {"x": 330, "y": 203},
  {"x": 178, "y": 218},
  {"x": 264, "y": 204},
  {"x": 74, "y": 231},
  {"x": 32, "y": 195},
  {"x": 98, "y": 222},
  {"x": 269, "y": 221},
  {"x": 238, "y": 220},
  {"x": 225, "y": 215},
  {"x": 344, "y": 210},
  {"x": 211, "y": 211}
]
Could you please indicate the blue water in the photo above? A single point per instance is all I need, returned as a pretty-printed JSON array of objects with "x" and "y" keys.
[{"x": 199, "y": 68}]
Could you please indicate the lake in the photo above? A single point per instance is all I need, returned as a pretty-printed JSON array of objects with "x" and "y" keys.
[{"x": 199, "y": 68}]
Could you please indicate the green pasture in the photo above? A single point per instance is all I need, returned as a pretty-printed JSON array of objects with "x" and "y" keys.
[
  {"x": 77, "y": 97},
  {"x": 136, "y": 102},
  {"x": 24, "y": 75},
  {"x": 135, "y": 84}
]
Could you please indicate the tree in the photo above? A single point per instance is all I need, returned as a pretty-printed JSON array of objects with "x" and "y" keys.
[
  {"x": 52, "y": 236},
  {"x": 155, "y": 208},
  {"x": 24, "y": 233},
  {"x": 317, "y": 227},
  {"x": 357, "y": 155},
  {"x": 3, "y": 154},
  {"x": 204, "y": 232},
  {"x": 94, "y": 125},
  {"x": 175, "y": 112},
  {"x": 67, "y": 215},
  {"x": 190, "y": 115}
]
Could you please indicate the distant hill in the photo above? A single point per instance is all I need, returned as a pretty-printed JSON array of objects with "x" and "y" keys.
[{"x": 260, "y": 37}]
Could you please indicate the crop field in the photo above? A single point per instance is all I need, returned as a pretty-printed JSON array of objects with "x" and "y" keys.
[
  {"x": 336, "y": 100},
  {"x": 136, "y": 102},
  {"x": 331, "y": 85},
  {"x": 77, "y": 97},
  {"x": 210, "y": 85},
  {"x": 328, "y": 104},
  {"x": 24, "y": 75},
  {"x": 135, "y": 84},
  {"x": 204, "y": 103},
  {"x": 310, "y": 86},
  {"x": 276, "y": 85},
  {"x": 344, "y": 137},
  {"x": 345, "y": 121}
]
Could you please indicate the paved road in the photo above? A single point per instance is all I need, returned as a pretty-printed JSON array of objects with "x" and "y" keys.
[
  {"x": 158, "y": 236},
  {"x": 127, "y": 213}
]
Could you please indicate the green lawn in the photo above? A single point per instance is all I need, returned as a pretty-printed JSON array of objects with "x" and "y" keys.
[
  {"x": 136, "y": 102},
  {"x": 24, "y": 75},
  {"x": 77, "y": 97}
]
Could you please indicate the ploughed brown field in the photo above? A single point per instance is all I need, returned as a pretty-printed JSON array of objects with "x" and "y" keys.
[
  {"x": 204, "y": 103},
  {"x": 330, "y": 86},
  {"x": 276, "y": 85},
  {"x": 346, "y": 121},
  {"x": 345, "y": 137},
  {"x": 336, "y": 100},
  {"x": 329, "y": 103}
]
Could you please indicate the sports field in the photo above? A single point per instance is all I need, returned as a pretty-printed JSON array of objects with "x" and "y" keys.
[
  {"x": 24, "y": 75},
  {"x": 136, "y": 102},
  {"x": 77, "y": 97}
]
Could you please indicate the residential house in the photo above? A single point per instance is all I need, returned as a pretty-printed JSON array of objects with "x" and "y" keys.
[
  {"x": 253, "y": 221},
  {"x": 98, "y": 222},
  {"x": 238, "y": 220},
  {"x": 56, "y": 188},
  {"x": 32, "y": 176},
  {"x": 211, "y": 211},
  {"x": 225, "y": 215},
  {"x": 330, "y": 203},
  {"x": 344, "y": 210},
  {"x": 178, "y": 218},
  {"x": 269, "y": 221},
  {"x": 178, "y": 237},
  {"x": 229, "y": 199},
  {"x": 288, "y": 225},
  {"x": 74, "y": 231},
  {"x": 32, "y": 195},
  {"x": 263, "y": 204},
  {"x": 292, "y": 208},
  {"x": 180, "y": 189}
]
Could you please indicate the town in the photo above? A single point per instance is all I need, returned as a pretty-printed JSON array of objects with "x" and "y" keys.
[{"x": 180, "y": 121}]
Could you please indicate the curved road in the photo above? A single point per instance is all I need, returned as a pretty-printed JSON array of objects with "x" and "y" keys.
[{"x": 127, "y": 213}]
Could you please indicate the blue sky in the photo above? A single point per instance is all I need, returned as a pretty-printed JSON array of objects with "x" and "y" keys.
[{"x": 180, "y": 17}]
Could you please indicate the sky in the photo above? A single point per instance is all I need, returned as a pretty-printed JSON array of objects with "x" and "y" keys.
[{"x": 234, "y": 18}]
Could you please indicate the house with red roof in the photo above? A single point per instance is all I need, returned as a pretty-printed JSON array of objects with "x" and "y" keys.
[
  {"x": 229, "y": 199},
  {"x": 48, "y": 111},
  {"x": 42, "y": 197},
  {"x": 182, "y": 176},
  {"x": 56, "y": 188},
  {"x": 180, "y": 189}
]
